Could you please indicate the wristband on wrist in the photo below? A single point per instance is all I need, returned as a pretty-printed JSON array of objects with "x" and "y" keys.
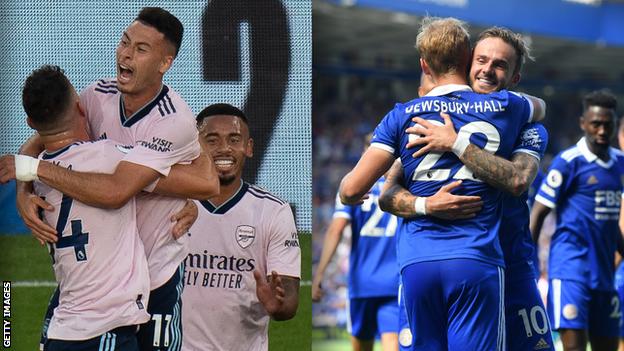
[
  {"x": 420, "y": 206},
  {"x": 460, "y": 145},
  {"x": 26, "y": 168}
]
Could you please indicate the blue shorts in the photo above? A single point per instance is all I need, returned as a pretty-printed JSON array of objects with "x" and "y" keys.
[
  {"x": 573, "y": 305},
  {"x": 164, "y": 330},
  {"x": 619, "y": 286},
  {"x": 369, "y": 316},
  {"x": 119, "y": 339},
  {"x": 405, "y": 334},
  {"x": 54, "y": 302},
  {"x": 455, "y": 304},
  {"x": 527, "y": 323}
]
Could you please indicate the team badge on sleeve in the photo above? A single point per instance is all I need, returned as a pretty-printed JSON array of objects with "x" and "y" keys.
[{"x": 245, "y": 235}]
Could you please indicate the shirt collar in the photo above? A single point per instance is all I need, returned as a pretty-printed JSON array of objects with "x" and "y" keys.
[
  {"x": 448, "y": 88},
  {"x": 591, "y": 157}
]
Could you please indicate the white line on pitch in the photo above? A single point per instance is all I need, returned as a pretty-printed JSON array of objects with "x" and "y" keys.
[{"x": 39, "y": 283}]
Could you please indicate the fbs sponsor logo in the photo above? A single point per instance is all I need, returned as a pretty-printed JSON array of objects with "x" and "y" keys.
[
  {"x": 245, "y": 235},
  {"x": 541, "y": 345}
]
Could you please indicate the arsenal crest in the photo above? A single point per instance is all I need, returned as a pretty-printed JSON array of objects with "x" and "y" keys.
[{"x": 245, "y": 235}]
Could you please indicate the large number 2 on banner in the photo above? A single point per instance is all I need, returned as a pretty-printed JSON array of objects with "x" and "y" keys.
[
  {"x": 425, "y": 170},
  {"x": 270, "y": 61}
]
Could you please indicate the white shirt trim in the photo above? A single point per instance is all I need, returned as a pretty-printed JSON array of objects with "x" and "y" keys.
[
  {"x": 591, "y": 157},
  {"x": 383, "y": 146},
  {"x": 448, "y": 88}
]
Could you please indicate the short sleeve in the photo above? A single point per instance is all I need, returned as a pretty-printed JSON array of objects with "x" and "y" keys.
[
  {"x": 533, "y": 140},
  {"x": 173, "y": 139},
  {"x": 341, "y": 210},
  {"x": 555, "y": 183},
  {"x": 521, "y": 106},
  {"x": 284, "y": 254},
  {"x": 387, "y": 133}
]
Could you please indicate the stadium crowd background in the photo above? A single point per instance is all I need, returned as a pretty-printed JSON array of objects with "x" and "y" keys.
[{"x": 364, "y": 62}]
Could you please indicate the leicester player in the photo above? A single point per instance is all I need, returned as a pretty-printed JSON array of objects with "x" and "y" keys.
[
  {"x": 619, "y": 273},
  {"x": 245, "y": 263},
  {"x": 137, "y": 109},
  {"x": 497, "y": 59},
  {"x": 584, "y": 185},
  {"x": 373, "y": 277},
  {"x": 442, "y": 263},
  {"x": 98, "y": 304}
]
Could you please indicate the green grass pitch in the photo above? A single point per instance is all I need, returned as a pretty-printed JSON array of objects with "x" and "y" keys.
[{"x": 23, "y": 259}]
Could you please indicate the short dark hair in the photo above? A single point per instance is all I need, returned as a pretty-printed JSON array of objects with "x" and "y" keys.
[
  {"x": 602, "y": 98},
  {"x": 522, "y": 50},
  {"x": 46, "y": 96},
  {"x": 164, "y": 22},
  {"x": 221, "y": 109}
]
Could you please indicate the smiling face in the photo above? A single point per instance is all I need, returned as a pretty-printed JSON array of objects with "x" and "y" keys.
[
  {"x": 493, "y": 66},
  {"x": 229, "y": 145},
  {"x": 143, "y": 57}
]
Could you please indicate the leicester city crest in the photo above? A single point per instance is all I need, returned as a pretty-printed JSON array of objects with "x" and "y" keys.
[{"x": 245, "y": 235}]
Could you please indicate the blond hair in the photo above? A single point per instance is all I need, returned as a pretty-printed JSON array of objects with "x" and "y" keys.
[
  {"x": 444, "y": 43},
  {"x": 516, "y": 41}
]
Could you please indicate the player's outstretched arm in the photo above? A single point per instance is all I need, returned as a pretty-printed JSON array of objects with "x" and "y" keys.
[
  {"x": 399, "y": 201},
  {"x": 371, "y": 166},
  {"x": 279, "y": 294},
  {"x": 513, "y": 176},
  {"x": 330, "y": 243},
  {"x": 198, "y": 180},
  {"x": 538, "y": 214},
  {"x": 96, "y": 189}
]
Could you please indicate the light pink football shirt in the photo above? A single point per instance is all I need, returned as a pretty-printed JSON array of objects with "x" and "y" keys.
[
  {"x": 220, "y": 309},
  {"x": 99, "y": 262},
  {"x": 163, "y": 133}
]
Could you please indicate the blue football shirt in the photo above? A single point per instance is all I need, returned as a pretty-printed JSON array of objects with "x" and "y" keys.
[
  {"x": 492, "y": 121},
  {"x": 515, "y": 236},
  {"x": 373, "y": 268},
  {"x": 586, "y": 193}
]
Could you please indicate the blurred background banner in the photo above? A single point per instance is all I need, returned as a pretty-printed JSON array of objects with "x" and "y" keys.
[
  {"x": 586, "y": 20},
  {"x": 254, "y": 54},
  {"x": 364, "y": 61}
]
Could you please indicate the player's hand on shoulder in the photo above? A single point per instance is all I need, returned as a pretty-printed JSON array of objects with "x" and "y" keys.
[
  {"x": 184, "y": 219},
  {"x": 446, "y": 205},
  {"x": 432, "y": 136}
]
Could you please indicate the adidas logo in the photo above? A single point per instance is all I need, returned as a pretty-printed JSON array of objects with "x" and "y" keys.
[
  {"x": 541, "y": 344},
  {"x": 592, "y": 180}
]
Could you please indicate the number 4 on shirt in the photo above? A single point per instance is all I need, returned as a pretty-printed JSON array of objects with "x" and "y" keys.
[{"x": 77, "y": 239}]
